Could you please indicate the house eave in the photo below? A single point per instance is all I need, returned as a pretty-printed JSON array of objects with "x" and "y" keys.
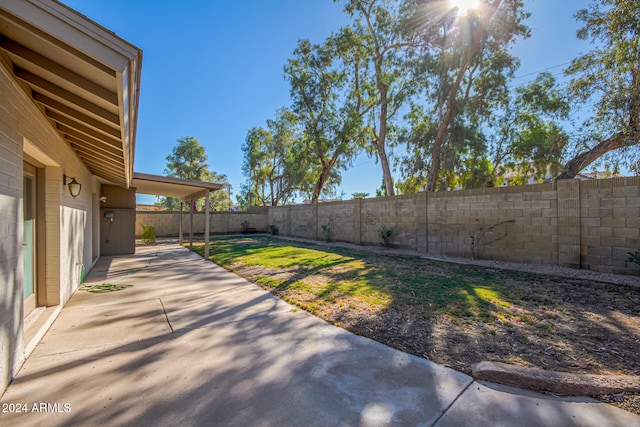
[{"x": 83, "y": 77}]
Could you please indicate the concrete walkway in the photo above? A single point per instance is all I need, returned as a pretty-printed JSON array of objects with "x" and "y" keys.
[{"x": 191, "y": 344}]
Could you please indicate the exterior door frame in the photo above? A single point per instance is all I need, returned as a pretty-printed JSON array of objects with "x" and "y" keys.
[
  {"x": 29, "y": 194},
  {"x": 36, "y": 169}
]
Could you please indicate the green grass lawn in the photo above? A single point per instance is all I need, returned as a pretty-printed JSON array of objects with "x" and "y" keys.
[
  {"x": 314, "y": 276},
  {"x": 454, "y": 314}
]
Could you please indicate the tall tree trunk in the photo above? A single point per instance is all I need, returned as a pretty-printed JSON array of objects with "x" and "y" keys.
[
  {"x": 381, "y": 140},
  {"x": 386, "y": 172},
  {"x": 582, "y": 160},
  {"x": 320, "y": 184},
  {"x": 476, "y": 45},
  {"x": 434, "y": 169},
  {"x": 271, "y": 190},
  {"x": 322, "y": 179}
]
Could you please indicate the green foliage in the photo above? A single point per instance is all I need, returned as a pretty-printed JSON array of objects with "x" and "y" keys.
[
  {"x": 463, "y": 67},
  {"x": 382, "y": 191},
  {"x": 148, "y": 234},
  {"x": 359, "y": 195},
  {"x": 634, "y": 257},
  {"x": 607, "y": 81},
  {"x": 244, "y": 198},
  {"x": 451, "y": 73},
  {"x": 245, "y": 226},
  {"x": 188, "y": 160},
  {"x": 325, "y": 104},
  {"x": 378, "y": 37},
  {"x": 410, "y": 185},
  {"x": 272, "y": 164},
  {"x": 529, "y": 141},
  {"x": 386, "y": 235}
]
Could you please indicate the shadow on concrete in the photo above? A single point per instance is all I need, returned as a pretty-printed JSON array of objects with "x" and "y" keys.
[{"x": 191, "y": 344}]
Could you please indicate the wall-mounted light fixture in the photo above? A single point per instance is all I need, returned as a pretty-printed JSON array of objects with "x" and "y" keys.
[{"x": 74, "y": 186}]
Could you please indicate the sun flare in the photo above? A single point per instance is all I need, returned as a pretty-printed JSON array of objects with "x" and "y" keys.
[{"x": 464, "y": 6}]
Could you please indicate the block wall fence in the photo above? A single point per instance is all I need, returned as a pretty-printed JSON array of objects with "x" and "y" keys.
[{"x": 578, "y": 224}]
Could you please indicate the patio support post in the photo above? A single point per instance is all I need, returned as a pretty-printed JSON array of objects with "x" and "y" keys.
[
  {"x": 191, "y": 225},
  {"x": 180, "y": 236},
  {"x": 206, "y": 226}
]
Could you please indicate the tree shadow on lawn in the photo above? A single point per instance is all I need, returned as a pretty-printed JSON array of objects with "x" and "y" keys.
[
  {"x": 458, "y": 315},
  {"x": 550, "y": 323}
]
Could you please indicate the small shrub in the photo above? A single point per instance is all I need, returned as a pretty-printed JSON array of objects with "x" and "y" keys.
[
  {"x": 148, "y": 234},
  {"x": 326, "y": 232},
  {"x": 386, "y": 235},
  {"x": 274, "y": 229},
  {"x": 245, "y": 226},
  {"x": 634, "y": 257}
]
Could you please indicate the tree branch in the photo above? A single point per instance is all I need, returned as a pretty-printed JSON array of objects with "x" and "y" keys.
[{"x": 582, "y": 160}]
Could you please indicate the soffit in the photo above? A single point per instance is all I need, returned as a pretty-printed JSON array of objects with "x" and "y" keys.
[
  {"x": 82, "y": 77},
  {"x": 183, "y": 189}
]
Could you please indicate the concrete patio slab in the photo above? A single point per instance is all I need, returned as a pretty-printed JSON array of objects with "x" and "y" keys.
[
  {"x": 508, "y": 406},
  {"x": 81, "y": 328},
  {"x": 283, "y": 369},
  {"x": 191, "y": 344},
  {"x": 232, "y": 305},
  {"x": 154, "y": 273}
]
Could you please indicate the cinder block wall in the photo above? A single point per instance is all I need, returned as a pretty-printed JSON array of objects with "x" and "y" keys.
[
  {"x": 304, "y": 221},
  {"x": 609, "y": 224},
  {"x": 505, "y": 223},
  {"x": 577, "y": 224},
  {"x": 166, "y": 224},
  {"x": 401, "y": 213},
  {"x": 336, "y": 221}
]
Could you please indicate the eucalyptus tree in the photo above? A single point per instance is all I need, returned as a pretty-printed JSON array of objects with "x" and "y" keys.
[
  {"x": 188, "y": 160},
  {"x": 464, "y": 72},
  {"x": 255, "y": 165},
  {"x": 327, "y": 106},
  {"x": 607, "y": 80},
  {"x": 529, "y": 138},
  {"x": 269, "y": 164},
  {"x": 380, "y": 37}
]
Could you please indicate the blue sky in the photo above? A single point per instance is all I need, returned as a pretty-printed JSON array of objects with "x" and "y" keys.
[{"x": 214, "y": 69}]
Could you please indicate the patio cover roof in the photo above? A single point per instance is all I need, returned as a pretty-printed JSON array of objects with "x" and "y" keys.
[
  {"x": 83, "y": 77},
  {"x": 183, "y": 189}
]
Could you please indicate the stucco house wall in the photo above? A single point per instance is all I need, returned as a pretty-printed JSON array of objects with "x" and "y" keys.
[
  {"x": 68, "y": 107},
  {"x": 25, "y": 134}
]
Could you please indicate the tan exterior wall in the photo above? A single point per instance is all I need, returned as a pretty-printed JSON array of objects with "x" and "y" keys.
[
  {"x": 10, "y": 251},
  {"x": 117, "y": 233},
  {"x": 64, "y": 224},
  {"x": 577, "y": 224}
]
